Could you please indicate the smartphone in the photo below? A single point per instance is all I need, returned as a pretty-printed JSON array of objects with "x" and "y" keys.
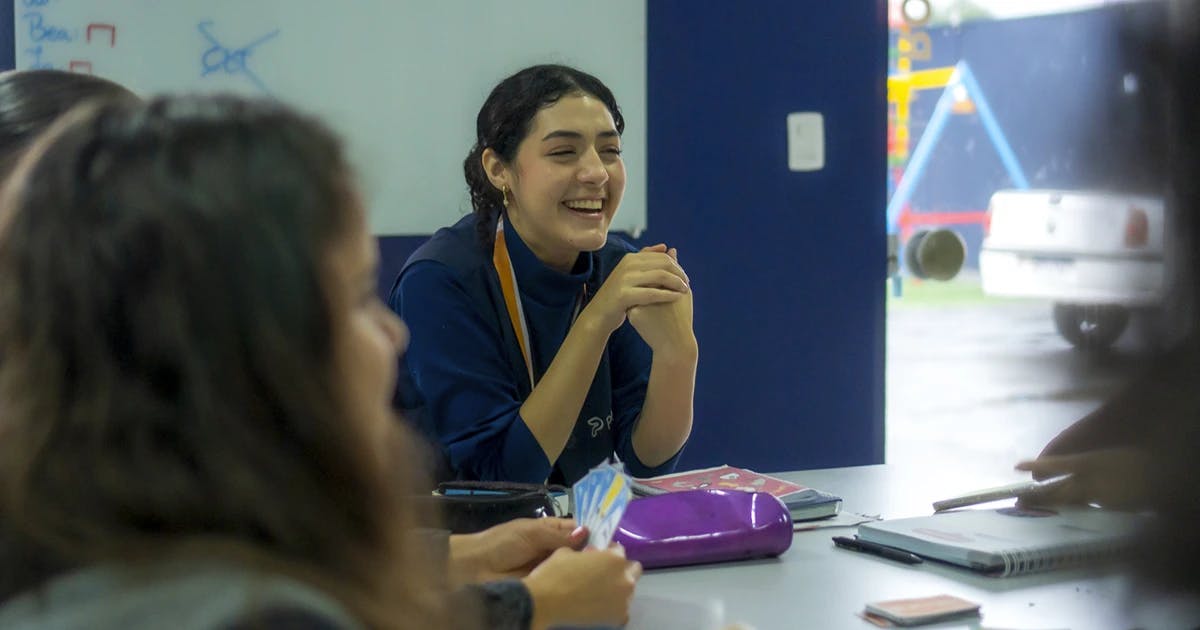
[{"x": 1000, "y": 492}]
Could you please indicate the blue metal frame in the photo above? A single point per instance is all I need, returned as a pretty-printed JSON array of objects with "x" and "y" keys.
[{"x": 963, "y": 76}]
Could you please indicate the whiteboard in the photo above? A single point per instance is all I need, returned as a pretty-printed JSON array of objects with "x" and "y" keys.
[{"x": 400, "y": 80}]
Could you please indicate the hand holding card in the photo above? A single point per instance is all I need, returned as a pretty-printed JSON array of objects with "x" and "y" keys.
[{"x": 601, "y": 498}]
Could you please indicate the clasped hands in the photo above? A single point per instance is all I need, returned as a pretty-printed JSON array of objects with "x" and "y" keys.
[{"x": 651, "y": 289}]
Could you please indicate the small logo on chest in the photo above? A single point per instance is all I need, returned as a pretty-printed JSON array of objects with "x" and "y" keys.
[{"x": 599, "y": 424}]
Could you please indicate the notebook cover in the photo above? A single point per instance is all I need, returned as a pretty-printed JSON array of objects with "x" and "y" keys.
[
  {"x": 802, "y": 502},
  {"x": 1009, "y": 541}
]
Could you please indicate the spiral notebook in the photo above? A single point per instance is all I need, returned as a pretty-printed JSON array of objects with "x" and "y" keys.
[{"x": 1010, "y": 541}]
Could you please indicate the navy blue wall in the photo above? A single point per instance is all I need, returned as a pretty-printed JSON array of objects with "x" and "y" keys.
[
  {"x": 787, "y": 267},
  {"x": 8, "y": 51}
]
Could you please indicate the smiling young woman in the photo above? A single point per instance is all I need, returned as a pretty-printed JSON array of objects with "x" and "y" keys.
[{"x": 541, "y": 345}]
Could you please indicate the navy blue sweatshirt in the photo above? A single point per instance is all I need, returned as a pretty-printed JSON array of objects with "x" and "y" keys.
[{"x": 463, "y": 379}]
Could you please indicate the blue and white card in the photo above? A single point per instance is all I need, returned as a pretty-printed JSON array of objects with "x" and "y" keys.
[{"x": 601, "y": 498}]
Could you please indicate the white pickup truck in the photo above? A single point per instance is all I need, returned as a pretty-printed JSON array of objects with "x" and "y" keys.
[{"x": 1096, "y": 255}]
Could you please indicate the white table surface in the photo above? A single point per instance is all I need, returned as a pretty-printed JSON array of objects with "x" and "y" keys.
[{"x": 817, "y": 585}]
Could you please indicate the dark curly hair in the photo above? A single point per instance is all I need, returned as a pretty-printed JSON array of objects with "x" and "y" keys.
[{"x": 504, "y": 121}]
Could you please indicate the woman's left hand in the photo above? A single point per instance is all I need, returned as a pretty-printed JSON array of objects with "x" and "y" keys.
[
  {"x": 666, "y": 327},
  {"x": 511, "y": 549}
]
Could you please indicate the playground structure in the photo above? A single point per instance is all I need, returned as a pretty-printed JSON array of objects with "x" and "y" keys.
[{"x": 961, "y": 95}]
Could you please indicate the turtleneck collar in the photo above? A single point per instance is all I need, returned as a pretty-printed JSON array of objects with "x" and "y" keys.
[{"x": 540, "y": 282}]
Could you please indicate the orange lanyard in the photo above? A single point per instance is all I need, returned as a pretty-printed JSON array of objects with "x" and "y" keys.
[{"x": 512, "y": 298}]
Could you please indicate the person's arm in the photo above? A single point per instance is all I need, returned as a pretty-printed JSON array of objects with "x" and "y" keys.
[
  {"x": 1116, "y": 478},
  {"x": 1120, "y": 421},
  {"x": 644, "y": 278},
  {"x": 558, "y": 585},
  {"x": 571, "y": 588},
  {"x": 1136, "y": 415},
  {"x": 508, "y": 550},
  {"x": 552, "y": 408},
  {"x": 456, "y": 361},
  {"x": 582, "y": 588},
  {"x": 632, "y": 362},
  {"x": 666, "y": 418},
  {"x": 664, "y": 411}
]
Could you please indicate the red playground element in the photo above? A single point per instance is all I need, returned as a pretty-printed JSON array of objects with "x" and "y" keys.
[{"x": 909, "y": 220}]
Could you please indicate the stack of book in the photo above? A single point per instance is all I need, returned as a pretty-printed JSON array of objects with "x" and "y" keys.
[{"x": 803, "y": 503}]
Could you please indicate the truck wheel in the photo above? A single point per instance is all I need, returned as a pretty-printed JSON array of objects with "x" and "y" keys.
[{"x": 1090, "y": 327}]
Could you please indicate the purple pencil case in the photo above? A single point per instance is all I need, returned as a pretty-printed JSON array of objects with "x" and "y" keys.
[{"x": 701, "y": 526}]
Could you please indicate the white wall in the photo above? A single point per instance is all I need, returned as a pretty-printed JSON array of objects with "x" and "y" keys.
[{"x": 402, "y": 80}]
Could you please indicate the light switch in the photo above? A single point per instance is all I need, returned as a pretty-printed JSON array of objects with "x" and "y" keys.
[{"x": 806, "y": 141}]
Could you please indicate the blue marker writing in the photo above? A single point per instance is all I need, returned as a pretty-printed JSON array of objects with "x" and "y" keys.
[
  {"x": 39, "y": 31},
  {"x": 220, "y": 57},
  {"x": 37, "y": 63}
]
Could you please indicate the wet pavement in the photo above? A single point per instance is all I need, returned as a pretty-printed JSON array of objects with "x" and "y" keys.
[{"x": 989, "y": 383}]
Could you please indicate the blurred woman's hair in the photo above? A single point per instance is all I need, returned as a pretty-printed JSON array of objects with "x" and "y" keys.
[
  {"x": 168, "y": 376},
  {"x": 31, "y": 100}
]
